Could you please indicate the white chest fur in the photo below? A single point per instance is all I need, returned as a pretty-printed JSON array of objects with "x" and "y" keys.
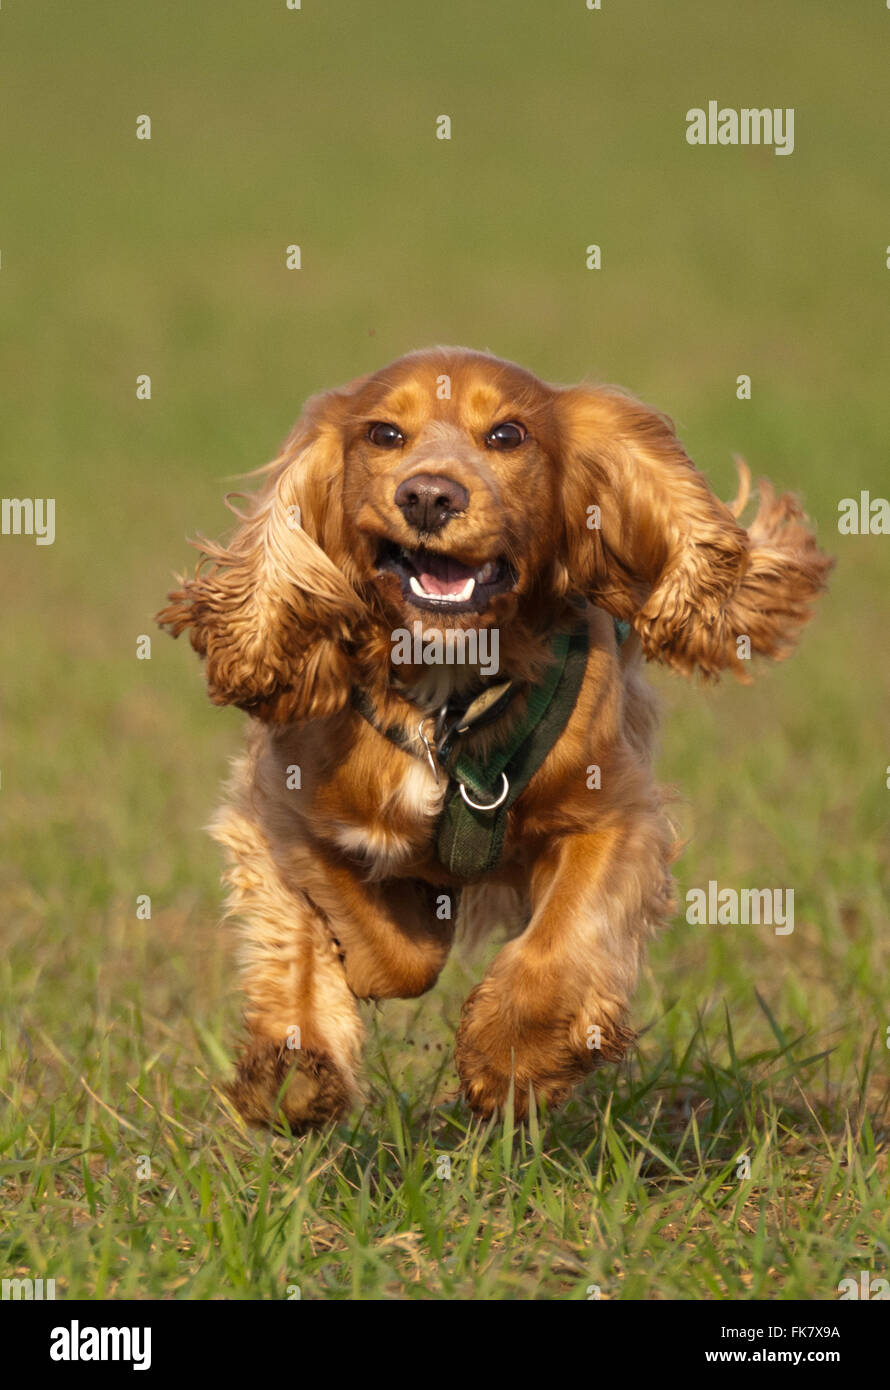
[{"x": 400, "y": 822}]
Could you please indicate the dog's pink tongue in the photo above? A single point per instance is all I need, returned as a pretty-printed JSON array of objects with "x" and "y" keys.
[{"x": 440, "y": 574}]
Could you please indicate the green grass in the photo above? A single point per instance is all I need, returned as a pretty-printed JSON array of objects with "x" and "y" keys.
[
  {"x": 634, "y": 1189},
  {"x": 117, "y": 258}
]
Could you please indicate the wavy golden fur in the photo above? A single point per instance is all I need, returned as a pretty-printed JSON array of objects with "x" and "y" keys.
[{"x": 449, "y": 466}]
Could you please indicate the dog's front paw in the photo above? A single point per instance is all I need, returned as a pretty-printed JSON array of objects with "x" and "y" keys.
[
  {"x": 305, "y": 1087},
  {"x": 547, "y": 1049}
]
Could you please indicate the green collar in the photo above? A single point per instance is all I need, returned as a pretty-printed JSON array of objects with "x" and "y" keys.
[{"x": 472, "y": 824}]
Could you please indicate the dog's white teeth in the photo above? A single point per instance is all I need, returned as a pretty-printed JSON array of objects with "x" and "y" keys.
[
  {"x": 486, "y": 574},
  {"x": 461, "y": 597}
]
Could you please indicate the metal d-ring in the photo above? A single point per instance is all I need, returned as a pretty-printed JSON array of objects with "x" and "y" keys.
[{"x": 492, "y": 805}]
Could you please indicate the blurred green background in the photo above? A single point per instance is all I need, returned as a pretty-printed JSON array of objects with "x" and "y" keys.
[{"x": 269, "y": 127}]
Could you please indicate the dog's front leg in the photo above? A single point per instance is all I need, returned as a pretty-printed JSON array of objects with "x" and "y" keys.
[
  {"x": 393, "y": 937},
  {"x": 304, "y": 1033},
  {"x": 555, "y": 1001}
]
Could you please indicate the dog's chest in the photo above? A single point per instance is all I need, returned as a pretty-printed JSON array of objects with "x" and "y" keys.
[{"x": 386, "y": 812}]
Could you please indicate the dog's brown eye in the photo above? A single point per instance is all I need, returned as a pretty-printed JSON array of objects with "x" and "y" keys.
[
  {"x": 385, "y": 436},
  {"x": 507, "y": 436}
]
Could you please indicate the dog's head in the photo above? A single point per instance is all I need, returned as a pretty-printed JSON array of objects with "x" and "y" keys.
[
  {"x": 450, "y": 489},
  {"x": 460, "y": 490}
]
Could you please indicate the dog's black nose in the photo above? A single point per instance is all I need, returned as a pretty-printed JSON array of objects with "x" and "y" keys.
[{"x": 428, "y": 501}]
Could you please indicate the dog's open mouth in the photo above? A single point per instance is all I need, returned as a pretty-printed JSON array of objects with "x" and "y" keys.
[{"x": 441, "y": 582}]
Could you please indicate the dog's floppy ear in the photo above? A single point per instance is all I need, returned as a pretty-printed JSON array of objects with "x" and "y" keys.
[
  {"x": 270, "y": 612},
  {"x": 647, "y": 540}
]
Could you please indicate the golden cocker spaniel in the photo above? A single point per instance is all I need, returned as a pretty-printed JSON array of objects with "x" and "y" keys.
[{"x": 436, "y": 612}]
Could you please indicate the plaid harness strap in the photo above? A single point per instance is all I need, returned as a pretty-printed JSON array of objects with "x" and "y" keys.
[{"x": 472, "y": 824}]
